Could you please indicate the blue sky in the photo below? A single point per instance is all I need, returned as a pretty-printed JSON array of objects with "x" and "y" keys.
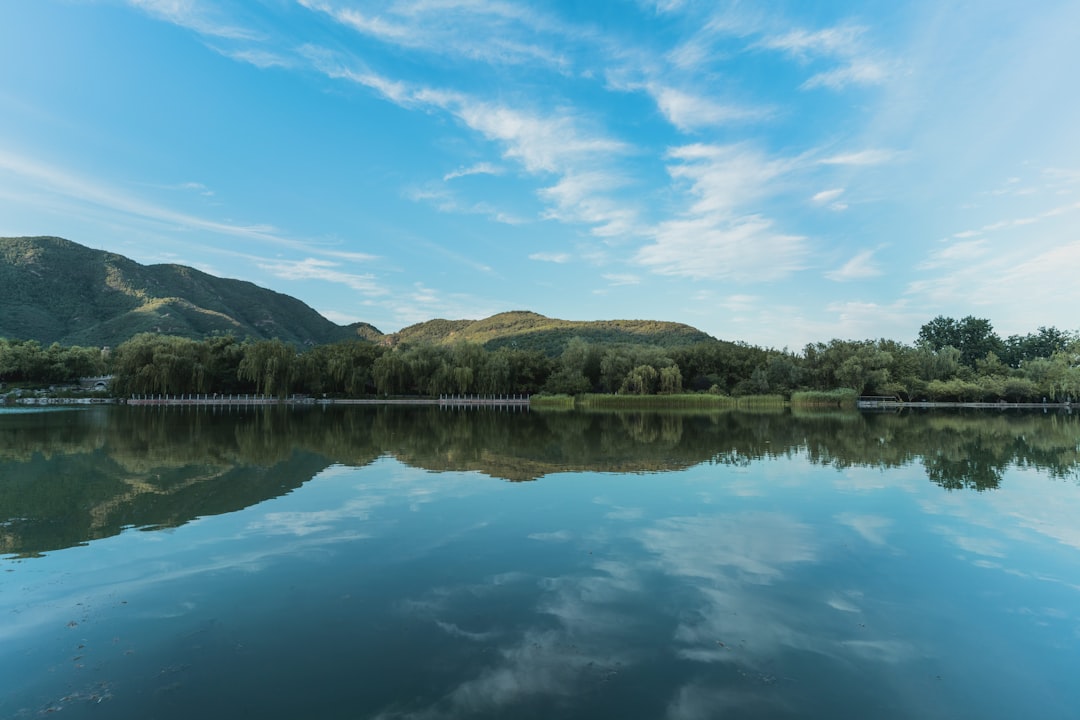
[{"x": 777, "y": 173}]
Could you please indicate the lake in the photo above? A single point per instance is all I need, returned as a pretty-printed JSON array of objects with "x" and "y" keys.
[{"x": 399, "y": 562}]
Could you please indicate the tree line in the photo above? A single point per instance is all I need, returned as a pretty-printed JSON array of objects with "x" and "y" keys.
[{"x": 951, "y": 360}]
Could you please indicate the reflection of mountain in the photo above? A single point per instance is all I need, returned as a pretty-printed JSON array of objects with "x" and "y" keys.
[{"x": 73, "y": 476}]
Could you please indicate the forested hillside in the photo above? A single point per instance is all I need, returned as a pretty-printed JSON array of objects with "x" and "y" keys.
[
  {"x": 54, "y": 290},
  {"x": 530, "y": 331}
]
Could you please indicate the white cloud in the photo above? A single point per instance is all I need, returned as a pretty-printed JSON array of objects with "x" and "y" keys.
[
  {"x": 688, "y": 111},
  {"x": 351, "y": 256},
  {"x": 860, "y": 267},
  {"x": 60, "y": 182},
  {"x": 725, "y": 178},
  {"x": 340, "y": 318},
  {"x": 861, "y": 73},
  {"x": 723, "y": 234},
  {"x": 445, "y": 201},
  {"x": 862, "y": 158},
  {"x": 262, "y": 59},
  {"x": 551, "y": 144},
  {"x": 740, "y": 303},
  {"x": 746, "y": 249},
  {"x": 551, "y": 257},
  {"x": 618, "y": 279},
  {"x": 843, "y": 40},
  {"x": 544, "y": 145},
  {"x": 827, "y": 196},
  {"x": 477, "y": 169},
  {"x": 423, "y": 303},
  {"x": 861, "y": 319},
  {"x": 581, "y": 198},
  {"x": 859, "y": 66},
  {"x": 324, "y": 270},
  {"x": 496, "y": 33},
  {"x": 959, "y": 252},
  {"x": 193, "y": 16}
]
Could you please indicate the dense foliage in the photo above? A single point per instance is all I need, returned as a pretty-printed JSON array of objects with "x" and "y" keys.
[{"x": 1041, "y": 365}]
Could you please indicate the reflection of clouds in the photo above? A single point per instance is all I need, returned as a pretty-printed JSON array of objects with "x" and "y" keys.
[
  {"x": 696, "y": 701},
  {"x": 621, "y": 513},
  {"x": 540, "y": 664},
  {"x": 558, "y": 536},
  {"x": 573, "y": 641},
  {"x": 755, "y": 545},
  {"x": 301, "y": 523},
  {"x": 969, "y": 543},
  {"x": 844, "y": 603},
  {"x": 888, "y": 651},
  {"x": 453, "y": 629},
  {"x": 871, "y": 527},
  {"x": 726, "y": 560}
]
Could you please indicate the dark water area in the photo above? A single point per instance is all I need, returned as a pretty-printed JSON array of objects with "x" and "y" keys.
[{"x": 435, "y": 563}]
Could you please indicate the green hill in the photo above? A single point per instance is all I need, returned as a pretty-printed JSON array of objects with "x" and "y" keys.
[
  {"x": 54, "y": 290},
  {"x": 531, "y": 331}
]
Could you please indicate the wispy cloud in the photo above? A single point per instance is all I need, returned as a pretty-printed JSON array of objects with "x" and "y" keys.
[
  {"x": 860, "y": 267},
  {"x": 746, "y": 249},
  {"x": 325, "y": 271},
  {"x": 583, "y": 198},
  {"x": 262, "y": 59},
  {"x": 958, "y": 252},
  {"x": 843, "y": 44},
  {"x": 831, "y": 199},
  {"x": 723, "y": 234},
  {"x": 857, "y": 73},
  {"x": 554, "y": 144},
  {"x": 861, "y": 157},
  {"x": 421, "y": 302},
  {"x": 495, "y": 33},
  {"x": 194, "y": 15},
  {"x": 61, "y": 182},
  {"x": 827, "y": 196},
  {"x": 446, "y": 201},
  {"x": 842, "y": 40},
  {"x": 690, "y": 111},
  {"x": 551, "y": 257},
  {"x": 619, "y": 279},
  {"x": 477, "y": 169}
]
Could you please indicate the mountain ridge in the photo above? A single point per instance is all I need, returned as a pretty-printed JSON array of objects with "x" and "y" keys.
[{"x": 56, "y": 290}]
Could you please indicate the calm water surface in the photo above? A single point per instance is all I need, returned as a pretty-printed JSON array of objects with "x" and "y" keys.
[{"x": 425, "y": 563}]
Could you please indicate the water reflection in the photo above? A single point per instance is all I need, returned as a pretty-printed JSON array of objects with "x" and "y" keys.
[
  {"x": 786, "y": 566},
  {"x": 70, "y": 477}
]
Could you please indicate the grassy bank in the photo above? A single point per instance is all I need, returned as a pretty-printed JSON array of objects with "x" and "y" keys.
[{"x": 841, "y": 397}]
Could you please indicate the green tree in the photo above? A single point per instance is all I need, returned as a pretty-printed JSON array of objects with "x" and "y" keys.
[
  {"x": 270, "y": 364},
  {"x": 641, "y": 380},
  {"x": 973, "y": 337}
]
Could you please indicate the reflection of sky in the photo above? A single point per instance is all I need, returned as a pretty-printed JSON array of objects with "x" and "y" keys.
[{"x": 779, "y": 590}]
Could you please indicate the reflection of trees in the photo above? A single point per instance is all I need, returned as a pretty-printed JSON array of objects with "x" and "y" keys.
[{"x": 68, "y": 477}]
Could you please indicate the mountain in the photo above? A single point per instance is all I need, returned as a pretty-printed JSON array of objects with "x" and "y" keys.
[
  {"x": 531, "y": 331},
  {"x": 54, "y": 290}
]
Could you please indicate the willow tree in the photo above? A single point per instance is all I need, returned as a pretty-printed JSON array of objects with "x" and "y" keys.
[{"x": 270, "y": 364}]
